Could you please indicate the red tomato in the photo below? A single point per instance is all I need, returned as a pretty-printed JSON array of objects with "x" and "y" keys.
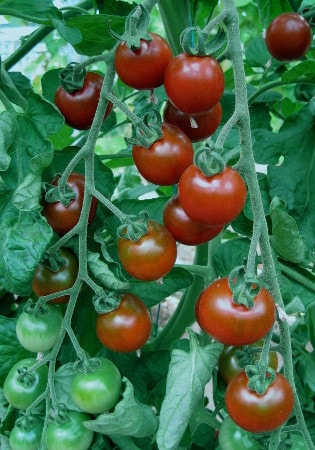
[
  {"x": 194, "y": 84},
  {"x": 127, "y": 328},
  {"x": 183, "y": 228},
  {"x": 143, "y": 68},
  {"x": 63, "y": 218},
  {"x": 79, "y": 107},
  {"x": 230, "y": 323},
  {"x": 214, "y": 200},
  {"x": 152, "y": 256},
  {"x": 288, "y": 37},
  {"x": 166, "y": 159},
  {"x": 259, "y": 413},
  {"x": 205, "y": 123}
]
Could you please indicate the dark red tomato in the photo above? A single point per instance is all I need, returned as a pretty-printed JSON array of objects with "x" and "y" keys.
[
  {"x": 194, "y": 84},
  {"x": 288, "y": 37},
  {"x": 167, "y": 158},
  {"x": 79, "y": 107},
  {"x": 184, "y": 229},
  {"x": 46, "y": 282},
  {"x": 214, "y": 200},
  {"x": 63, "y": 218},
  {"x": 127, "y": 328},
  {"x": 144, "y": 67},
  {"x": 259, "y": 413},
  {"x": 152, "y": 256},
  {"x": 196, "y": 126},
  {"x": 228, "y": 364},
  {"x": 230, "y": 323}
]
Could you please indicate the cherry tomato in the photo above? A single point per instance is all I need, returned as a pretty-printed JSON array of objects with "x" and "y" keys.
[
  {"x": 45, "y": 281},
  {"x": 194, "y": 84},
  {"x": 288, "y": 37},
  {"x": 26, "y": 439},
  {"x": 166, "y": 159},
  {"x": 79, "y": 107},
  {"x": 39, "y": 333},
  {"x": 214, "y": 200},
  {"x": 259, "y": 413},
  {"x": 97, "y": 391},
  {"x": 126, "y": 328},
  {"x": 71, "y": 434},
  {"x": 21, "y": 393},
  {"x": 152, "y": 256},
  {"x": 184, "y": 229},
  {"x": 196, "y": 126},
  {"x": 230, "y": 323},
  {"x": 228, "y": 364},
  {"x": 63, "y": 218},
  {"x": 232, "y": 437},
  {"x": 143, "y": 68}
]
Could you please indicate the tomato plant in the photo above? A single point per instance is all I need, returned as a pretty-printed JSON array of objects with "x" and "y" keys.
[
  {"x": 155, "y": 253},
  {"x": 165, "y": 160},
  {"x": 288, "y": 37},
  {"x": 232, "y": 437},
  {"x": 97, "y": 390},
  {"x": 26, "y": 437},
  {"x": 63, "y": 218},
  {"x": 214, "y": 200},
  {"x": 259, "y": 413},
  {"x": 143, "y": 67},
  {"x": 232, "y": 323},
  {"x": 79, "y": 107},
  {"x": 46, "y": 281},
  {"x": 126, "y": 328}
]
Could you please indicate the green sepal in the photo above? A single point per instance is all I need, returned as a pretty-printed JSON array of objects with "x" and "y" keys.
[
  {"x": 257, "y": 381},
  {"x": 106, "y": 302},
  {"x": 72, "y": 77},
  {"x": 209, "y": 161},
  {"x": 134, "y": 227}
]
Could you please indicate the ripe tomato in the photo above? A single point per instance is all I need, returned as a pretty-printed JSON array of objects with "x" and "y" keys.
[
  {"x": 45, "y": 281},
  {"x": 26, "y": 439},
  {"x": 214, "y": 200},
  {"x": 184, "y": 229},
  {"x": 143, "y": 68},
  {"x": 97, "y": 391},
  {"x": 166, "y": 159},
  {"x": 126, "y": 328},
  {"x": 194, "y": 84},
  {"x": 152, "y": 256},
  {"x": 63, "y": 218},
  {"x": 259, "y": 413},
  {"x": 288, "y": 37},
  {"x": 71, "y": 434},
  {"x": 206, "y": 122},
  {"x": 228, "y": 365},
  {"x": 39, "y": 333},
  {"x": 22, "y": 393},
  {"x": 230, "y": 323},
  {"x": 232, "y": 437},
  {"x": 79, "y": 107}
]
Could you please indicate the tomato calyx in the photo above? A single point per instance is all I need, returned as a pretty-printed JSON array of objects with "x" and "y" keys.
[
  {"x": 259, "y": 380},
  {"x": 36, "y": 309},
  {"x": 134, "y": 227},
  {"x": 198, "y": 42},
  {"x": 59, "y": 414},
  {"x": 86, "y": 365},
  {"x": 25, "y": 377},
  {"x": 135, "y": 28},
  {"x": 53, "y": 261},
  {"x": 26, "y": 422},
  {"x": 148, "y": 130},
  {"x": 209, "y": 161},
  {"x": 63, "y": 194},
  {"x": 72, "y": 77},
  {"x": 244, "y": 286},
  {"x": 105, "y": 302}
]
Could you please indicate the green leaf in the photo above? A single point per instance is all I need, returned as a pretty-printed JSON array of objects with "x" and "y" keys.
[
  {"x": 230, "y": 254},
  {"x": 130, "y": 417},
  {"x": 8, "y": 127},
  {"x": 50, "y": 82},
  {"x": 45, "y": 117},
  {"x": 27, "y": 195},
  {"x": 62, "y": 380},
  {"x": 71, "y": 35},
  {"x": 103, "y": 274},
  {"x": 256, "y": 52},
  {"x": 190, "y": 369},
  {"x": 305, "y": 71},
  {"x": 269, "y": 9},
  {"x": 310, "y": 322},
  {"x": 37, "y": 12}
]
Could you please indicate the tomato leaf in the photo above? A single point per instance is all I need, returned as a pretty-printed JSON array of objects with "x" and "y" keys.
[
  {"x": 269, "y": 10},
  {"x": 230, "y": 254},
  {"x": 305, "y": 71},
  {"x": 27, "y": 195},
  {"x": 8, "y": 127},
  {"x": 37, "y": 12},
  {"x": 103, "y": 274},
  {"x": 63, "y": 378}
]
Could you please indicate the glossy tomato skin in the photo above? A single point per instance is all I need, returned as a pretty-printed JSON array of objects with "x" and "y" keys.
[
  {"x": 39, "y": 334},
  {"x": 63, "y": 218},
  {"x": 19, "y": 394},
  {"x": 215, "y": 200},
  {"x": 230, "y": 323},
  {"x": 70, "y": 435},
  {"x": 194, "y": 84},
  {"x": 79, "y": 107},
  {"x": 152, "y": 256},
  {"x": 45, "y": 281},
  {"x": 259, "y": 413},
  {"x": 97, "y": 391},
  {"x": 206, "y": 123},
  {"x": 288, "y": 37},
  {"x": 26, "y": 439},
  {"x": 144, "y": 67},
  {"x": 228, "y": 365},
  {"x": 232, "y": 437},
  {"x": 126, "y": 328},
  {"x": 184, "y": 229},
  {"x": 166, "y": 159}
]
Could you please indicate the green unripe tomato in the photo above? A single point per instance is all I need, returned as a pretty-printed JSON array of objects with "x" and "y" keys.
[{"x": 26, "y": 438}]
